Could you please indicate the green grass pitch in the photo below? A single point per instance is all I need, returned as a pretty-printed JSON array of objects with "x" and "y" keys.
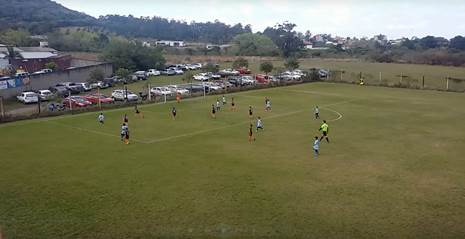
[{"x": 395, "y": 168}]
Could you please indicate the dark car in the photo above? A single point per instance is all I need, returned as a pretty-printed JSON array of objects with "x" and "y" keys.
[
  {"x": 59, "y": 90},
  {"x": 235, "y": 81}
]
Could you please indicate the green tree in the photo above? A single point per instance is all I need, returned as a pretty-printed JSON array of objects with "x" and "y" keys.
[
  {"x": 266, "y": 67},
  {"x": 240, "y": 62},
  {"x": 210, "y": 67},
  {"x": 250, "y": 44},
  {"x": 291, "y": 63},
  {"x": 17, "y": 38},
  {"x": 132, "y": 55},
  {"x": 284, "y": 36},
  {"x": 122, "y": 73},
  {"x": 51, "y": 65},
  {"x": 97, "y": 75}
]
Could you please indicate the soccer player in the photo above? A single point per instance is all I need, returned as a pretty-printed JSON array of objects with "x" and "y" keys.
[
  {"x": 218, "y": 105},
  {"x": 324, "y": 128},
  {"x": 178, "y": 97},
  {"x": 224, "y": 100},
  {"x": 250, "y": 112},
  {"x": 316, "y": 147},
  {"x": 124, "y": 128},
  {"x": 101, "y": 119},
  {"x": 126, "y": 137},
  {"x": 173, "y": 112},
  {"x": 233, "y": 104},
  {"x": 213, "y": 114},
  {"x": 317, "y": 112},
  {"x": 138, "y": 113},
  {"x": 251, "y": 137},
  {"x": 125, "y": 119},
  {"x": 267, "y": 104},
  {"x": 259, "y": 124}
]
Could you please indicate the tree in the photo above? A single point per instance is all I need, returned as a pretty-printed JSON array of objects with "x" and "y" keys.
[
  {"x": 17, "y": 38},
  {"x": 284, "y": 36},
  {"x": 291, "y": 63},
  {"x": 51, "y": 65},
  {"x": 266, "y": 67},
  {"x": 458, "y": 42},
  {"x": 250, "y": 44},
  {"x": 97, "y": 75},
  {"x": 240, "y": 62},
  {"x": 122, "y": 73},
  {"x": 210, "y": 67},
  {"x": 132, "y": 55}
]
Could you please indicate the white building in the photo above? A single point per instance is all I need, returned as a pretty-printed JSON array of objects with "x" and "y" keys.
[{"x": 171, "y": 43}]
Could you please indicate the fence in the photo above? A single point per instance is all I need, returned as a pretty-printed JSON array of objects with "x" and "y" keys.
[
  {"x": 44, "y": 81},
  {"x": 42, "y": 109},
  {"x": 400, "y": 80}
]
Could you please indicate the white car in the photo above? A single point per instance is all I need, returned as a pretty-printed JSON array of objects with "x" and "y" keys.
[
  {"x": 177, "y": 70},
  {"x": 85, "y": 86},
  {"x": 153, "y": 72},
  {"x": 122, "y": 94},
  {"x": 212, "y": 86},
  {"x": 248, "y": 80},
  {"x": 45, "y": 95},
  {"x": 100, "y": 85},
  {"x": 43, "y": 71},
  {"x": 28, "y": 97},
  {"x": 178, "y": 90},
  {"x": 161, "y": 91},
  {"x": 201, "y": 77}
]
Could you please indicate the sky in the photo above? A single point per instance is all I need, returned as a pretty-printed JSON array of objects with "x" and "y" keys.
[{"x": 346, "y": 18}]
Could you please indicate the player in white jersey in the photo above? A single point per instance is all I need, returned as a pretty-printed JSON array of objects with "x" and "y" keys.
[
  {"x": 259, "y": 124},
  {"x": 101, "y": 118},
  {"x": 317, "y": 112}
]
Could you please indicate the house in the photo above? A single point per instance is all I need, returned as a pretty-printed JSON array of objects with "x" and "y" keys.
[
  {"x": 33, "y": 59},
  {"x": 170, "y": 43}
]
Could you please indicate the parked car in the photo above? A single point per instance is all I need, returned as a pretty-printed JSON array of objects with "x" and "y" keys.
[
  {"x": 244, "y": 71},
  {"x": 45, "y": 95},
  {"x": 59, "y": 90},
  {"x": 161, "y": 91},
  {"x": 248, "y": 80},
  {"x": 153, "y": 72},
  {"x": 212, "y": 86},
  {"x": 28, "y": 97},
  {"x": 43, "y": 71},
  {"x": 168, "y": 72},
  {"x": 264, "y": 79},
  {"x": 139, "y": 75},
  {"x": 228, "y": 72},
  {"x": 73, "y": 87},
  {"x": 22, "y": 74},
  {"x": 213, "y": 76},
  {"x": 76, "y": 102},
  {"x": 201, "y": 77},
  {"x": 85, "y": 86},
  {"x": 178, "y": 90},
  {"x": 323, "y": 73},
  {"x": 100, "y": 85},
  {"x": 95, "y": 98},
  {"x": 177, "y": 71},
  {"x": 122, "y": 95}
]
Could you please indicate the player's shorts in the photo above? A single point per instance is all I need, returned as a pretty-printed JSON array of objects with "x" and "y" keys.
[
  {"x": 250, "y": 113},
  {"x": 250, "y": 134},
  {"x": 325, "y": 133},
  {"x": 137, "y": 112},
  {"x": 174, "y": 114},
  {"x": 232, "y": 104},
  {"x": 259, "y": 127}
]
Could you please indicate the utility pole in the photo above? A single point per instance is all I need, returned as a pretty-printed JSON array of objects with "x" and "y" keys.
[
  {"x": 447, "y": 83},
  {"x": 2, "y": 110},
  {"x": 150, "y": 93},
  {"x": 38, "y": 105},
  {"x": 380, "y": 78}
]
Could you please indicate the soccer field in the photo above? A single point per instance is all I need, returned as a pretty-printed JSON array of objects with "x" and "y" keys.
[{"x": 395, "y": 168}]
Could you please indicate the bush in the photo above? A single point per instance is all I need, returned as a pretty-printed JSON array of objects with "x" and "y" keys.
[
  {"x": 291, "y": 64},
  {"x": 266, "y": 67},
  {"x": 51, "y": 65},
  {"x": 240, "y": 62}
]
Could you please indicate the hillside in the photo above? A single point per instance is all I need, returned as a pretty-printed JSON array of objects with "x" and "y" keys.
[{"x": 39, "y": 16}]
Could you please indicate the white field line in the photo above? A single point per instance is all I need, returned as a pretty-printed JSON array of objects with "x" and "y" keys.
[
  {"x": 202, "y": 131},
  {"x": 247, "y": 122},
  {"x": 340, "y": 116},
  {"x": 27, "y": 122},
  {"x": 93, "y": 131}
]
